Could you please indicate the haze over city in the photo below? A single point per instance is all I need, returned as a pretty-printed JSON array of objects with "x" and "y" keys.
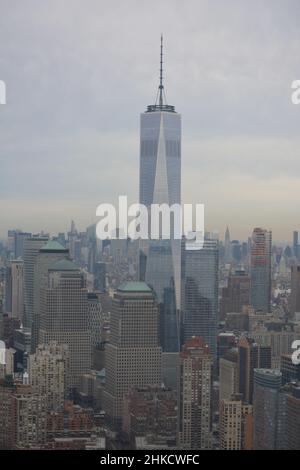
[{"x": 79, "y": 74}]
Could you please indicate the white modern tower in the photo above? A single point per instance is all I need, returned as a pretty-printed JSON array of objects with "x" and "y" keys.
[{"x": 160, "y": 183}]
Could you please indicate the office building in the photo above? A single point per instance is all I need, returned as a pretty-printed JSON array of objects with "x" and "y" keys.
[
  {"x": 236, "y": 295},
  {"x": 260, "y": 269},
  {"x": 195, "y": 395},
  {"x": 201, "y": 292},
  {"x": 49, "y": 253},
  {"x": 48, "y": 370},
  {"x": 31, "y": 249},
  {"x": 295, "y": 289},
  {"x": 160, "y": 183},
  {"x": 250, "y": 357},
  {"x": 64, "y": 316},
  {"x": 133, "y": 356},
  {"x": 267, "y": 384}
]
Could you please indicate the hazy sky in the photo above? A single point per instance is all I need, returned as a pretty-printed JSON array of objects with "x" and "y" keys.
[{"x": 79, "y": 73}]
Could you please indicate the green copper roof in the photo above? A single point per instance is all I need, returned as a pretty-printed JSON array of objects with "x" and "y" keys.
[
  {"x": 134, "y": 287},
  {"x": 63, "y": 265},
  {"x": 52, "y": 245}
]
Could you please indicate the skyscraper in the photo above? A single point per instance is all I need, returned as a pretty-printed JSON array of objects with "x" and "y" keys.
[
  {"x": 293, "y": 418},
  {"x": 295, "y": 289},
  {"x": 236, "y": 294},
  {"x": 260, "y": 269},
  {"x": 236, "y": 422},
  {"x": 31, "y": 250},
  {"x": 48, "y": 253},
  {"x": 295, "y": 244},
  {"x": 227, "y": 246},
  {"x": 160, "y": 183},
  {"x": 201, "y": 292},
  {"x": 267, "y": 383},
  {"x": 250, "y": 356},
  {"x": 48, "y": 371},
  {"x": 17, "y": 280},
  {"x": 133, "y": 357},
  {"x": 64, "y": 316},
  {"x": 228, "y": 370},
  {"x": 195, "y": 395}
]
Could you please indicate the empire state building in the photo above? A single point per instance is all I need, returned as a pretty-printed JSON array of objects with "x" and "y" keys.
[{"x": 160, "y": 183}]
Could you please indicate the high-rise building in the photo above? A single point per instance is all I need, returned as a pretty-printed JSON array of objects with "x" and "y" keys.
[
  {"x": 19, "y": 238},
  {"x": 31, "y": 249},
  {"x": 160, "y": 183},
  {"x": 22, "y": 416},
  {"x": 236, "y": 424},
  {"x": 151, "y": 410},
  {"x": 48, "y": 371},
  {"x": 8, "y": 290},
  {"x": 195, "y": 395},
  {"x": 293, "y": 418},
  {"x": 260, "y": 269},
  {"x": 250, "y": 357},
  {"x": 100, "y": 276},
  {"x": 227, "y": 246},
  {"x": 236, "y": 294},
  {"x": 228, "y": 374},
  {"x": 295, "y": 244},
  {"x": 14, "y": 288},
  {"x": 7, "y": 388},
  {"x": 267, "y": 383},
  {"x": 289, "y": 370},
  {"x": 48, "y": 253},
  {"x": 133, "y": 356},
  {"x": 201, "y": 292},
  {"x": 95, "y": 319},
  {"x": 29, "y": 418},
  {"x": 17, "y": 289},
  {"x": 64, "y": 316},
  {"x": 295, "y": 289}
]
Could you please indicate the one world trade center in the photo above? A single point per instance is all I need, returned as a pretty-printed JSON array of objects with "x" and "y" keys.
[{"x": 160, "y": 183}]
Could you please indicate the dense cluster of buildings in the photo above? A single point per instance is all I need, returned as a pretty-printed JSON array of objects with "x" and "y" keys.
[{"x": 149, "y": 345}]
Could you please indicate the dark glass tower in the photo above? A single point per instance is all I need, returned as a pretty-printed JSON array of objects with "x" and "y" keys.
[{"x": 160, "y": 183}]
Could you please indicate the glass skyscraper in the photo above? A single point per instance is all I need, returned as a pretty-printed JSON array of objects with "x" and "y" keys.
[
  {"x": 200, "y": 273},
  {"x": 160, "y": 183},
  {"x": 260, "y": 269}
]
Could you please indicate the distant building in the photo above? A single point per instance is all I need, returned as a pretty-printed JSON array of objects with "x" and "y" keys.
[
  {"x": 133, "y": 357},
  {"x": 31, "y": 249},
  {"x": 250, "y": 357},
  {"x": 151, "y": 410},
  {"x": 201, "y": 293},
  {"x": 293, "y": 418},
  {"x": 236, "y": 424},
  {"x": 48, "y": 370},
  {"x": 267, "y": 384},
  {"x": 295, "y": 289},
  {"x": 236, "y": 294},
  {"x": 64, "y": 316},
  {"x": 260, "y": 269},
  {"x": 195, "y": 395},
  {"x": 49, "y": 253},
  {"x": 228, "y": 374},
  {"x": 290, "y": 371}
]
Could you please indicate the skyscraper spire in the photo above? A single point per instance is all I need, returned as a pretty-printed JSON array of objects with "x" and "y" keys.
[
  {"x": 161, "y": 87},
  {"x": 160, "y": 102}
]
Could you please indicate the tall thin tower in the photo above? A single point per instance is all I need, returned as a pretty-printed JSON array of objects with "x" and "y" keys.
[{"x": 160, "y": 183}]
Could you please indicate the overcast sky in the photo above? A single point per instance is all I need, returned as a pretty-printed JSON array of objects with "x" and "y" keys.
[{"x": 79, "y": 73}]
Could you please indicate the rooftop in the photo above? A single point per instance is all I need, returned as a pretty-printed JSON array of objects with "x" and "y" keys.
[
  {"x": 63, "y": 265},
  {"x": 134, "y": 287},
  {"x": 52, "y": 245}
]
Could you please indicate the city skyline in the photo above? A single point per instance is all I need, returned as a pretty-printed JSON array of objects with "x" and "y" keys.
[{"x": 65, "y": 117}]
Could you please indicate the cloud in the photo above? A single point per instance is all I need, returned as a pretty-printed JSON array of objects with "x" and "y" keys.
[{"x": 78, "y": 74}]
